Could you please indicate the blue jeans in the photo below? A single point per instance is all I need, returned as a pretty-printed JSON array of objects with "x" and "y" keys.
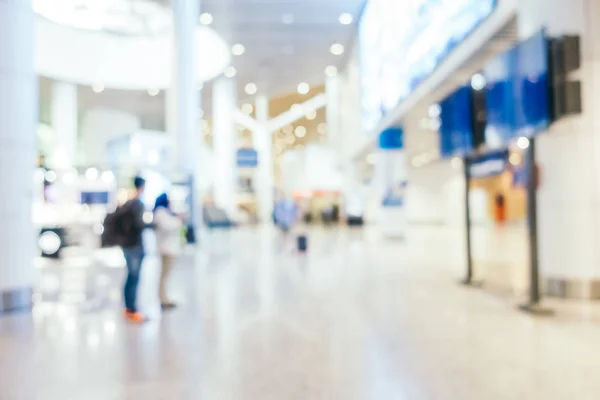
[{"x": 133, "y": 259}]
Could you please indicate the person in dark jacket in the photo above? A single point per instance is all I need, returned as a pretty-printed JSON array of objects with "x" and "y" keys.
[{"x": 133, "y": 249}]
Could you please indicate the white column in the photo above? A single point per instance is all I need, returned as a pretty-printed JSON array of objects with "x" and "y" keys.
[
  {"x": 263, "y": 144},
  {"x": 64, "y": 122},
  {"x": 332, "y": 91},
  {"x": 569, "y": 157},
  {"x": 225, "y": 143},
  {"x": 186, "y": 99},
  {"x": 18, "y": 116}
]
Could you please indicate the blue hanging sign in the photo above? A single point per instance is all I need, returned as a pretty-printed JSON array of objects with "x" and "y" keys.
[
  {"x": 247, "y": 158},
  {"x": 391, "y": 139}
]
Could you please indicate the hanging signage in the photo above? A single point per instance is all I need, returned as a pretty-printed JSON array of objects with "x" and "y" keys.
[
  {"x": 247, "y": 158},
  {"x": 391, "y": 139},
  {"x": 489, "y": 165}
]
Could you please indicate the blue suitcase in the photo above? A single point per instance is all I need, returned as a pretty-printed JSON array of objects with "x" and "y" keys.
[{"x": 302, "y": 243}]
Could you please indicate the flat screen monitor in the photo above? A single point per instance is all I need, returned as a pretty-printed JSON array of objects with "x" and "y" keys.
[
  {"x": 518, "y": 92},
  {"x": 93, "y": 198},
  {"x": 456, "y": 130},
  {"x": 533, "y": 86}
]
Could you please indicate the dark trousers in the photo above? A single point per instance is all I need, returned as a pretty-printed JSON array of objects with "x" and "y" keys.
[{"x": 133, "y": 258}]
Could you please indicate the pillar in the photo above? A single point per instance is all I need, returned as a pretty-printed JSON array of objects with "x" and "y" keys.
[
  {"x": 569, "y": 158},
  {"x": 263, "y": 144},
  {"x": 64, "y": 122},
  {"x": 225, "y": 143},
  {"x": 185, "y": 100},
  {"x": 18, "y": 116},
  {"x": 332, "y": 92},
  {"x": 390, "y": 181}
]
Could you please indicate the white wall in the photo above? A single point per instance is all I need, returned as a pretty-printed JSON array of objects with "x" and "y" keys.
[
  {"x": 99, "y": 126},
  {"x": 569, "y": 154},
  {"x": 435, "y": 194},
  {"x": 313, "y": 168}
]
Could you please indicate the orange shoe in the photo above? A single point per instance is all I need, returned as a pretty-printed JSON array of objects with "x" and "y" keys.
[{"x": 136, "y": 317}]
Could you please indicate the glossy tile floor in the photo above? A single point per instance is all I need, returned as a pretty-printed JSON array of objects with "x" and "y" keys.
[{"x": 356, "y": 318}]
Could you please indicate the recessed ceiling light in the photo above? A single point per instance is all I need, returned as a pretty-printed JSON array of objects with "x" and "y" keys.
[
  {"x": 251, "y": 89},
  {"x": 296, "y": 108},
  {"x": 303, "y": 88},
  {"x": 346, "y": 18},
  {"x": 331, "y": 71},
  {"x": 247, "y": 108},
  {"x": 322, "y": 128},
  {"x": 300, "y": 131},
  {"x": 337, "y": 49},
  {"x": 478, "y": 82},
  {"x": 238, "y": 49},
  {"x": 523, "y": 143},
  {"x": 287, "y": 19},
  {"x": 153, "y": 92},
  {"x": 230, "y": 72},
  {"x": 98, "y": 88},
  {"x": 435, "y": 110},
  {"x": 311, "y": 115},
  {"x": 207, "y": 18}
]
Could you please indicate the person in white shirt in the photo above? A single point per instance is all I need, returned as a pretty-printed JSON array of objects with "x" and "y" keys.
[{"x": 168, "y": 239}]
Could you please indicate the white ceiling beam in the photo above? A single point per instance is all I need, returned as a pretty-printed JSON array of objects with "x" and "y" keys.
[
  {"x": 246, "y": 121},
  {"x": 296, "y": 113}
]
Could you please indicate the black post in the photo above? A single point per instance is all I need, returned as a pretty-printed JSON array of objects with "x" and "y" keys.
[
  {"x": 533, "y": 305},
  {"x": 469, "y": 277}
]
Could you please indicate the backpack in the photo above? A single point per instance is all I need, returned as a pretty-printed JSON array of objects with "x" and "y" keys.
[{"x": 119, "y": 227}]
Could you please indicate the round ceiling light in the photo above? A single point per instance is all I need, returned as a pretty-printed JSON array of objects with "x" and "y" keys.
[
  {"x": 247, "y": 108},
  {"x": 251, "y": 89},
  {"x": 98, "y": 88},
  {"x": 303, "y": 88},
  {"x": 206, "y": 18},
  {"x": 153, "y": 92},
  {"x": 238, "y": 49},
  {"x": 300, "y": 131},
  {"x": 346, "y": 18},
  {"x": 331, "y": 71},
  {"x": 322, "y": 128},
  {"x": 337, "y": 49},
  {"x": 311, "y": 115},
  {"x": 230, "y": 72}
]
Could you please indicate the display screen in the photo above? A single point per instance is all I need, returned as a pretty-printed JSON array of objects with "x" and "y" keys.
[
  {"x": 518, "y": 92},
  {"x": 402, "y": 42},
  {"x": 91, "y": 198},
  {"x": 456, "y": 130},
  {"x": 533, "y": 112}
]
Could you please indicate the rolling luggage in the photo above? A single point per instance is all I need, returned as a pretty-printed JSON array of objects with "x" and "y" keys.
[{"x": 302, "y": 243}]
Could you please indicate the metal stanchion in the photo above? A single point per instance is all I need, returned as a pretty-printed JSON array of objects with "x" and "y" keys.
[
  {"x": 469, "y": 276},
  {"x": 533, "y": 306}
]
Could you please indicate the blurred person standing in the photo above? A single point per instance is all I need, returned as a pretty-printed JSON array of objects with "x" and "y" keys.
[
  {"x": 168, "y": 239},
  {"x": 285, "y": 214},
  {"x": 130, "y": 226}
]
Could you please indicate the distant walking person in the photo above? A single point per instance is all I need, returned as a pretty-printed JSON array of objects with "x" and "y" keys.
[
  {"x": 168, "y": 239},
  {"x": 130, "y": 225}
]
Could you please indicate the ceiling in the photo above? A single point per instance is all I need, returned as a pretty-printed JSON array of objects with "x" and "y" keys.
[{"x": 286, "y": 42}]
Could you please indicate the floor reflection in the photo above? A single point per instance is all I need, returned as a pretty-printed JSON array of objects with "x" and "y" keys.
[{"x": 357, "y": 317}]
